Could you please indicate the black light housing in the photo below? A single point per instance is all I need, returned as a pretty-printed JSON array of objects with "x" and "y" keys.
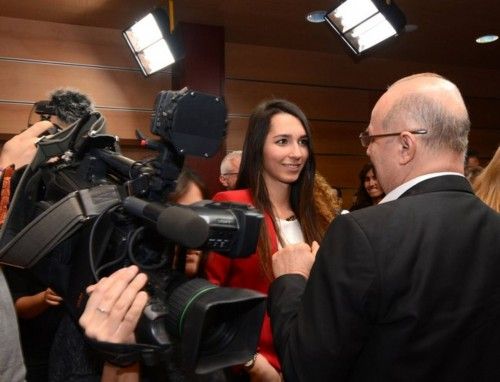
[
  {"x": 362, "y": 24},
  {"x": 151, "y": 42}
]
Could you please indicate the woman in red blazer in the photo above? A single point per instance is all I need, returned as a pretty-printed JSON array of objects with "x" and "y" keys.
[{"x": 277, "y": 177}]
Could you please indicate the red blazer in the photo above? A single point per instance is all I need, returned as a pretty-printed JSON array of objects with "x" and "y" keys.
[{"x": 245, "y": 272}]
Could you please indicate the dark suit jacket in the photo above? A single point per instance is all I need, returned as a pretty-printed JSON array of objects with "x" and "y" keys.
[{"x": 404, "y": 291}]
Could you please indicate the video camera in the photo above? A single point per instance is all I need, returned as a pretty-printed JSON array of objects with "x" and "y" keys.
[{"x": 94, "y": 211}]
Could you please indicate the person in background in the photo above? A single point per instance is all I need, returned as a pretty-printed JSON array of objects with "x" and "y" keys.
[
  {"x": 472, "y": 158},
  {"x": 471, "y": 172},
  {"x": 472, "y": 166},
  {"x": 369, "y": 191},
  {"x": 229, "y": 169},
  {"x": 277, "y": 177},
  {"x": 190, "y": 189},
  {"x": 487, "y": 184},
  {"x": 399, "y": 292},
  {"x": 338, "y": 194}
]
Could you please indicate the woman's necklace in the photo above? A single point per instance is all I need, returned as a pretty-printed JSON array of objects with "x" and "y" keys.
[{"x": 291, "y": 218}]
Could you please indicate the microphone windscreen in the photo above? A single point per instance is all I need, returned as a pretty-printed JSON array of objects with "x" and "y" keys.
[{"x": 182, "y": 226}]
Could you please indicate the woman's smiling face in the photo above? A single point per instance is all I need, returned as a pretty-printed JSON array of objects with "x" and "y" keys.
[{"x": 285, "y": 149}]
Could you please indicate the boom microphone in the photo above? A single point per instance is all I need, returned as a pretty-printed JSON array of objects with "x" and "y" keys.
[{"x": 178, "y": 224}]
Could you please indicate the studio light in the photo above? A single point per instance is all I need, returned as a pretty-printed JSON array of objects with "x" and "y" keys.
[
  {"x": 151, "y": 42},
  {"x": 363, "y": 24}
]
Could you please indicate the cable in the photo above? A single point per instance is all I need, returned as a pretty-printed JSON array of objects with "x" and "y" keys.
[{"x": 91, "y": 238}]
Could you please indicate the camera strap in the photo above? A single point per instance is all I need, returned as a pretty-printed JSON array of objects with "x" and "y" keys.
[{"x": 124, "y": 355}]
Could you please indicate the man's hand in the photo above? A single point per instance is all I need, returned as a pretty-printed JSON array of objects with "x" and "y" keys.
[
  {"x": 262, "y": 371},
  {"x": 20, "y": 149},
  {"x": 115, "y": 306},
  {"x": 297, "y": 258}
]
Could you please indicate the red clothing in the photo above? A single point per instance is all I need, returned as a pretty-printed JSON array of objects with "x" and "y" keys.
[{"x": 245, "y": 272}]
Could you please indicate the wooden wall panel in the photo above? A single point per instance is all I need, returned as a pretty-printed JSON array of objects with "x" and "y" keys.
[
  {"x": 26, "y": 81},
  {"x": 341, "y": 170},
  {"x": 317, "y": 102},
  {"x": 485, "y": 141},
  {"x": 45, "y": 41},
  {"x": 328, "y": 137},
  {"x": 13, "y": 117},
  {"x": 484, "y": 112},
  {"x": 123, "y": 123},
  {"x": 317, "y": 68}
]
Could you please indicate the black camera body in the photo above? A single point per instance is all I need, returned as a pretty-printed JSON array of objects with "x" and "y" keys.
[{"x": 94, "y": 211}]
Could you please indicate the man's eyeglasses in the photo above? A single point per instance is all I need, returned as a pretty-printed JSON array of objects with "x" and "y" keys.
[{"x": 366, "y": 138}]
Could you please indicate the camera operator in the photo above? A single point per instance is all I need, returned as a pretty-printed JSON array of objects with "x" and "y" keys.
[
  {"x": 38, "y": 307},
  {"x": 16, "y": 152}
]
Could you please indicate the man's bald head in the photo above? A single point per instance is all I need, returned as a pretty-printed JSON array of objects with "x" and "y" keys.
[
  {"x": 430, "y": 116},
  {"x": 431, "y": 102}
]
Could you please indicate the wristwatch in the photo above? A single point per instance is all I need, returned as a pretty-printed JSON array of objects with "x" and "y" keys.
[{"x": 250, "y": 363}]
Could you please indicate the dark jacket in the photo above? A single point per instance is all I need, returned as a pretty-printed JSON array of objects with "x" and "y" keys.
[{"x": 408, "y": 290}]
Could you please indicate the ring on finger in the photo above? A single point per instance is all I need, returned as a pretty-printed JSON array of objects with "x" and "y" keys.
[{"x": 101, "y": 310}]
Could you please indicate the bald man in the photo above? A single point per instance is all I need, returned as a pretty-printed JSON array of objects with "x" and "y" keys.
[{"x": 408, "y": 290}]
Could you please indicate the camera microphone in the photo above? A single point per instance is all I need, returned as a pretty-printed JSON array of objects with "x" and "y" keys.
[{"x": 178, "y": 224}]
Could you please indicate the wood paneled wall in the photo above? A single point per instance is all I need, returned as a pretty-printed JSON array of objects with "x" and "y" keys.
[
  {"x": 37, "y": 57},
  {"x": 337, "y": 94}
]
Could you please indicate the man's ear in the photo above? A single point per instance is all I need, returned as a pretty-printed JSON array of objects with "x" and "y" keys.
[
  {"x": 407, "y": 148},
  {"x": 222, "y": 180}
]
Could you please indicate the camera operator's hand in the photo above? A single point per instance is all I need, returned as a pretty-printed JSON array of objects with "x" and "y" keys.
[
  {"x": 296, "y": 258},
  {"x": 115, "y": 306},
  {"x": 20, "y": 149},
  {"x": 263, "y": 371}
]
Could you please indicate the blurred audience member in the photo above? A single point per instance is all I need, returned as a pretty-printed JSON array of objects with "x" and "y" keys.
[
  {"x": 229, "y": 169},
  {"x": 369, "y": 191},
  {"x": 472, "y": 158},
  {"x": 337, "y": 191},
  {"x": 190, "y": 189},
  {"x": 471, "y": 172},
  {"x": 487, "y": 184}
]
